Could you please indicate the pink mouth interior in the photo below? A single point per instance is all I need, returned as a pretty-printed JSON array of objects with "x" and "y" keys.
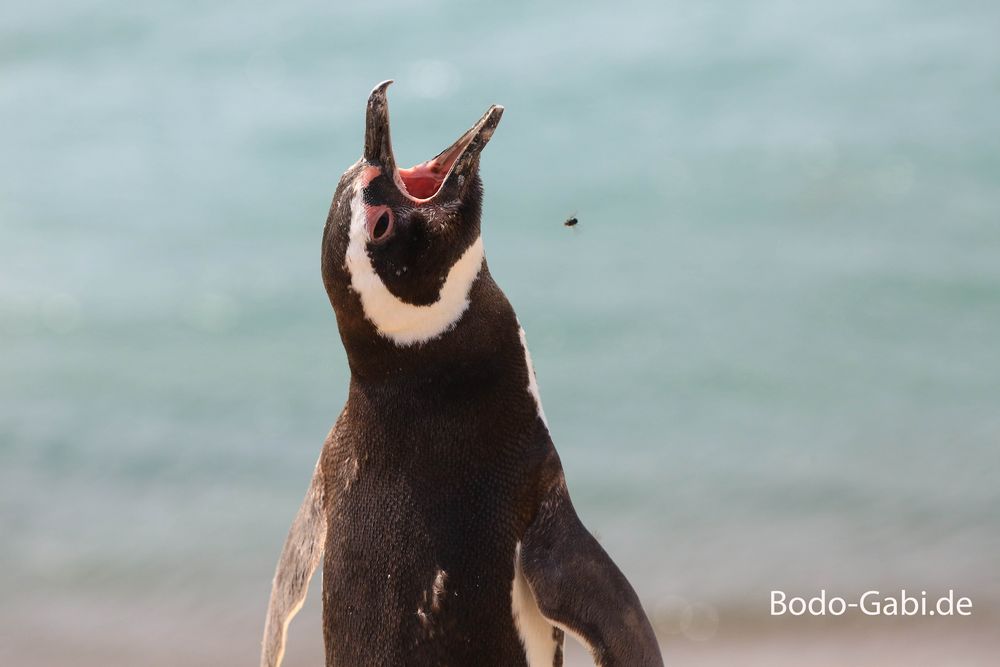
[{"x": 425, "y": 179}]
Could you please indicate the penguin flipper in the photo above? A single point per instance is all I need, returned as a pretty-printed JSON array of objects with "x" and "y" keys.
[
  {"x": 579, "y": 589},
  {"x": 300, "y": 556}
]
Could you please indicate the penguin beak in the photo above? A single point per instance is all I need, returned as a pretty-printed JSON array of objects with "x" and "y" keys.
[{"x": 440, "y": 179}]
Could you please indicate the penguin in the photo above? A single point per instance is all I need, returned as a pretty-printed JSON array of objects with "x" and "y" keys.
[{"x": 438, "y": 506}]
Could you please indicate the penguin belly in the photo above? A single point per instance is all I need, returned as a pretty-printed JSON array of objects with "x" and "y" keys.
[{"x": 420, "y": 559}]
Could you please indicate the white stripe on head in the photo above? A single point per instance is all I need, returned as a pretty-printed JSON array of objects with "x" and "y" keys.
[
  {"x": 400, "y": 322},
  {"x": 532, "y": 380},
  {"x": 535, "y": 632}
]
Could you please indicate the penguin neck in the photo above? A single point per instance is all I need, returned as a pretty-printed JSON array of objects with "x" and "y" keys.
[{"x": 478, "y": 349}]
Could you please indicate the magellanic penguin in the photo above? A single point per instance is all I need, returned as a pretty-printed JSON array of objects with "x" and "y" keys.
[{"x": 438, "y": 505}]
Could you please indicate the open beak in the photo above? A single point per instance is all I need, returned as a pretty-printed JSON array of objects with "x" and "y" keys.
[{"x": 442, "y": 178}]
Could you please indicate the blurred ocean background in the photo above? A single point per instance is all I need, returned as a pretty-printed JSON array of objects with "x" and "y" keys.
[{"x": 769, "y": 353}]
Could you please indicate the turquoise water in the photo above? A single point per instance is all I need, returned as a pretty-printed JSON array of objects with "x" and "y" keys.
[{"x": 769, "y": 353}]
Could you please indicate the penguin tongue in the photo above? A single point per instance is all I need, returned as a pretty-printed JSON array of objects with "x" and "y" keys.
[
  {"x": 442, "y": 177},
  {"x": 424, "y": 180}
]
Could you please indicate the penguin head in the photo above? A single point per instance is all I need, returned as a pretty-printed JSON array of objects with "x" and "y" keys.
[{"x": 402, "y": 247}]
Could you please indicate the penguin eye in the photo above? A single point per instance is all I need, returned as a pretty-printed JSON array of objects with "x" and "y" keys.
[
  {"x": 381, "y": 227},
  {"x": 381, "y": 223}
]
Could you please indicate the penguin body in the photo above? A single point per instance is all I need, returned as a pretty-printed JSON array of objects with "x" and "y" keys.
[{"x": 438, "y": 506}]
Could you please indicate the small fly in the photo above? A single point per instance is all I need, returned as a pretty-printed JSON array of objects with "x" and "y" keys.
[{"x": 571, "y": 221}]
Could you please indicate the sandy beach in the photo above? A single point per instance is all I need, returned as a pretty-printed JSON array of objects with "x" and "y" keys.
[{"x": 196, "y": 635}]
